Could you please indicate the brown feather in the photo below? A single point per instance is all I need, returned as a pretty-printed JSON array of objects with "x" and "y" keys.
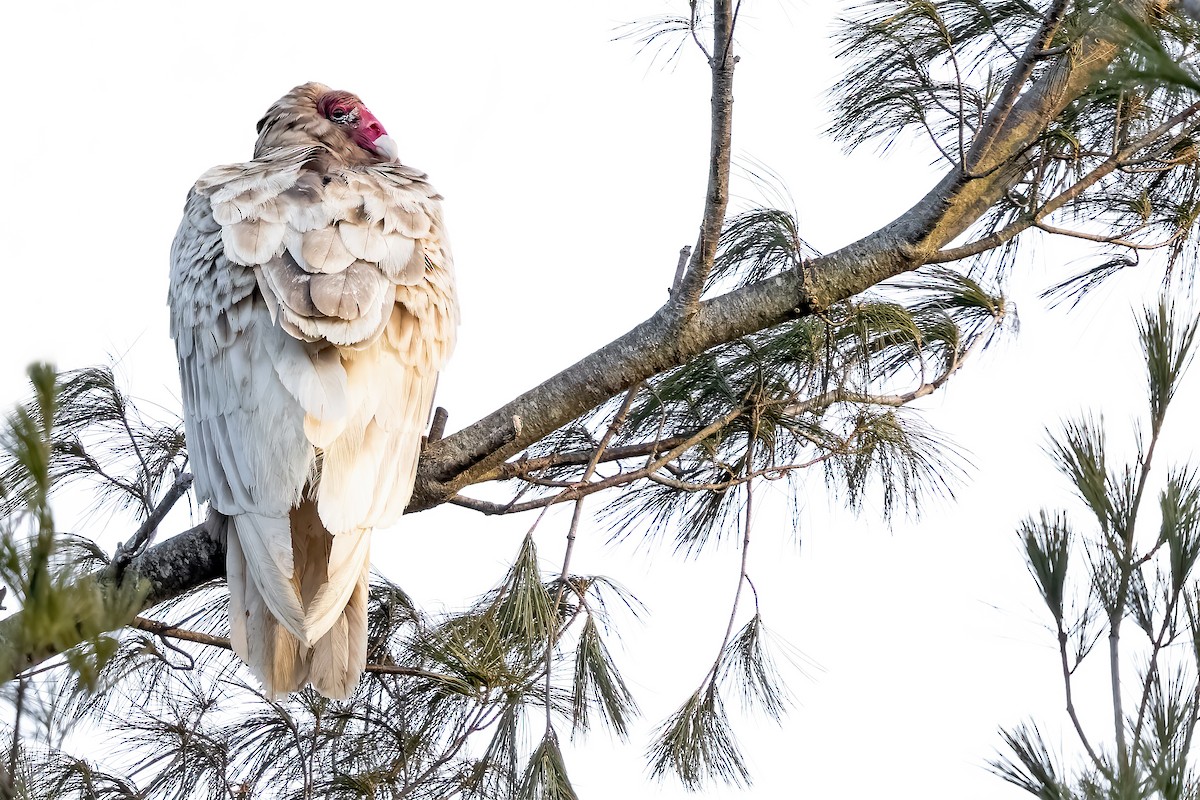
[{"x": 324, "y": 251}]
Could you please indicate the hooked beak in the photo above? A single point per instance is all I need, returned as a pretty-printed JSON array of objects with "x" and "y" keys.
[
  {"x": 386, "y": 146},
  {"x": 371, "y": 135}
]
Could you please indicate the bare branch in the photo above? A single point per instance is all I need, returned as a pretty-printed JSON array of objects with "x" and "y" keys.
[
  {"x": 166, "y": 629},
  {"x": 1119, "y": 240},
  {"x": 680, "y": 269},
  {"x": 721, "y": 62},
  {"x": 1071, "y": 712},
  {"x": 145, "y": 533},
  {"x": 523, "y": 466},
  {"x": 437, "y": 428},
  {"x": 579, "y": 490}
]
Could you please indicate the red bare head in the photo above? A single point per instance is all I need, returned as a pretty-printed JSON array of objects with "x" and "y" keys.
[
  {"x": 346, "y": 110},
  {"x": 342, "y": 123}
]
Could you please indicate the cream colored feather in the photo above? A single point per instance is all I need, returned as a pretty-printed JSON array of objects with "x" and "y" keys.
[{"x": 312, "y": 306}]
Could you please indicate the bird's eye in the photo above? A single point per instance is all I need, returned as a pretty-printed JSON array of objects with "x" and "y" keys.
[{"x": 338, "y": 114}]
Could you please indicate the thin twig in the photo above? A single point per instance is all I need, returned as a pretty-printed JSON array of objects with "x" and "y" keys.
[
  {"x": 522, "y": 467},
  {"x": 1071, "y": 712},
  {"x": 145, "y": 533},
  {"x": 695, "y": 35},
  {"x": 1156, "y": 648},
  {"x": 143, "y": 491},
  {"x": 1122, "y": 598},
  {"x": 1119, "y": 240},
  {"x": 577, "y": 491},
  {"x": 768, "y": 473},
  {"x": 18, "y": 712},
  {"x": 958, "y": 83},
  {"x": 159, "y": 628},
  {"x": 741, "y": 581}
]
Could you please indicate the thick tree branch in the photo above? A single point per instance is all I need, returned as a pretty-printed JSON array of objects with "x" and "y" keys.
[
  {"x": 659, "y": 343},
  {"x": 1034, "y": 51}
]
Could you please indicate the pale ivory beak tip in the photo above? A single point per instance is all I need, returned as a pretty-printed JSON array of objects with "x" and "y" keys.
[{"x": 386, "y": 146}]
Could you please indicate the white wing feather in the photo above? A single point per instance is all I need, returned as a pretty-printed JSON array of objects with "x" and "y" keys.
[{"x": 311, "y": 315}]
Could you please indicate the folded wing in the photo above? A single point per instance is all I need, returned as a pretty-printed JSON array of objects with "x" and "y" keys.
[{"x": 312, "y": 308}]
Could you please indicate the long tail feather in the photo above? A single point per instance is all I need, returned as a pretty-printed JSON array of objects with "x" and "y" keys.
[
  {"x": 266, "y": 544},
  {"x": 332, "y": 574},
  {"x": 274, "y": 655},
  {"x": 349, "y": 556},
  {"x": 339, "y": 657}
]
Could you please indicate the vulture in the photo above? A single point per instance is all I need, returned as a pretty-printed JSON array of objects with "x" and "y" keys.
[{"x": 312, "y": 304}]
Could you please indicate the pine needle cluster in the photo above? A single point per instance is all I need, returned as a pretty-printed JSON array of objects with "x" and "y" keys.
[{"x": 1122, "y": 594}]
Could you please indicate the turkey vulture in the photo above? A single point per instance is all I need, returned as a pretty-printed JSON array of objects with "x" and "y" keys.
[{"x": 312, "y": 305}]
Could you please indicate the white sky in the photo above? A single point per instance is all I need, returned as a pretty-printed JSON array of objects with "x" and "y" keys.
[{"x": 573, "y": 170}]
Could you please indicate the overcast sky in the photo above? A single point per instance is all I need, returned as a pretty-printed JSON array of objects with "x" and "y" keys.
[{"x": 573, "y": 170}]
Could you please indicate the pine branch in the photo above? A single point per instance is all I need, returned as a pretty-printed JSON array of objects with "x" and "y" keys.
[
  {"x": 576, "y": 491},
  {"x": 1072, "y": 712},
  {"x": 956, "y": 203},
  {"x": 525, "y": 466},
  {"x": 564, "y": 574},
  {"x": 1119, "y": 160}
]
